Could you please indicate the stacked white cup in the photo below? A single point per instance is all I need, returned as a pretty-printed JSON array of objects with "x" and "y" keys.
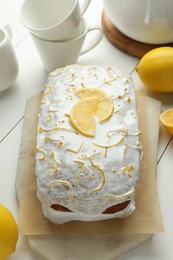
[{"x": 58, "y": 30}]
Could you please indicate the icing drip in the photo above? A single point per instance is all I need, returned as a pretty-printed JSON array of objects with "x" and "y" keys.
[{"x": 67, "y": 184}]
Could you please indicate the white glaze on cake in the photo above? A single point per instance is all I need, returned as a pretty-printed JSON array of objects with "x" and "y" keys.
[{"x": 87, "y": 175}]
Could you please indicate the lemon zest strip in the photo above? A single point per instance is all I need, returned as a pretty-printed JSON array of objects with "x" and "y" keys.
[
  {"x": 129, "y": 99},
  {"x": 83, "y": 85},
  {"x": 112, "y": 196},
  {"x": 119, "y": 75},
  {"x": 77, "y": 151},
  {"x": 80, "y": 170},
  {"x": 39, "y": 149},
  {"x": 51, "y": 75},
  {"x": 106, "y": 147},
  {"x": 50, "y": 90},
  {"x": 124, "y": 132},
  {"x": 82, "y": 156},
  {"x": 97, "y": 166},
  {"x": 67, "y": 129},
  {"x": 138, "y": 132},
  {"x": 55, "y": 170},
  {"x": 128, "y": 168},
  {"x": 108, "y": 71},
  {"x": 49, "y": 117},
  {"x": 52, "y": 156},
  {"x": 63, "y": 183},
  {"x": 113, "y": 132},
  {"x": 43, "y": 102},
  {"x": 67, "y": 115},
  {"x": 125, "y": 149},
  {"x": 116, "y": 172},
  {"x": 42, "y": 129},
  {"x": 138, "y": 146},
  {"x": 53, "y": 110},
  {"x": 109, "y": 146},
  {"x": 122, "y": 95},
  {"x": 108, "y": 82},
  {"x": 60, "y": 144},
  {"x": 47, "y": 138},
  {"x": 71, "y": 89}
]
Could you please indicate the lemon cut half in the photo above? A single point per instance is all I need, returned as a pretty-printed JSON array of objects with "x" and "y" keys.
[
  {"x": 93, "y": 103},
  {"x": 166, "y": 119}
]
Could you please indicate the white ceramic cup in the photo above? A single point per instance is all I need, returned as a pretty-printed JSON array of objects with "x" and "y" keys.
[
  {"x": 8, "y": 61},
  {"x": 59, "y": 54},
  {"x": 147, "y": 21},
  {"x": 53, "y": 20}
]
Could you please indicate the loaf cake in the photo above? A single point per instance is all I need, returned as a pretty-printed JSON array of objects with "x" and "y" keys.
[{"x": 88, "y": 147}]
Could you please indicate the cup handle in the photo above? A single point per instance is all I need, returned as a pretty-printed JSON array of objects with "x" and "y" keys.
[
  {"x": 94, "y": 41},
  {"x": 7, "y": 28},
  {"x": 84, "y": 6}
]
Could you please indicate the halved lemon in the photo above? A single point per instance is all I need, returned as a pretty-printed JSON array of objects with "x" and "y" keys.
[
  {"x": 93, "y": 103},
  {"x": 166, "y": 119}
]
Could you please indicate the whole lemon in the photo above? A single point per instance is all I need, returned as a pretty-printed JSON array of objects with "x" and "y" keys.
[
  {"x": 8, "y": 233},
  {"x": 155, "y": 69}
]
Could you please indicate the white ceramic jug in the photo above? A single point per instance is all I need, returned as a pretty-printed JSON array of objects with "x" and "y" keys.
[
  {"x": 8, "y": 60},
  {"x": 148, "y": 21}
]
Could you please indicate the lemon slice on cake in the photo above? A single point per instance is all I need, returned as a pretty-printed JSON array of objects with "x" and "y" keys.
[
  {"x": 105, "y": 106},
  {"x": 94, "y": 104}
]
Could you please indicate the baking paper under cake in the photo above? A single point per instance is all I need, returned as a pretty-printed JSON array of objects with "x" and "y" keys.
[{"x": 88, "y": 144}]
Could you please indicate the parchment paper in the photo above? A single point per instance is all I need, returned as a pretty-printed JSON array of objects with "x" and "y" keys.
[{"x": 145, "y": 219}]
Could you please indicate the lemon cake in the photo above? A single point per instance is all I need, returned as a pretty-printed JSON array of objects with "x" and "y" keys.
[{"x": 88, "y": 147}]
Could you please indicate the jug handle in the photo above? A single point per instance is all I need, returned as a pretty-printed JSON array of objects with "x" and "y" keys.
[{"x": 7, "y": 28}]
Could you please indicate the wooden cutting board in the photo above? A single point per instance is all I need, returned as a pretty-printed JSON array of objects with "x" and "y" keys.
[
  {"x": 124, "y": 43},
  {"x": 83, "y": 248}
]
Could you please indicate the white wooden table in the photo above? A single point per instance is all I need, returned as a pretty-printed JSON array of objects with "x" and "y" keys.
[{"x": 31, "y": 78}]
